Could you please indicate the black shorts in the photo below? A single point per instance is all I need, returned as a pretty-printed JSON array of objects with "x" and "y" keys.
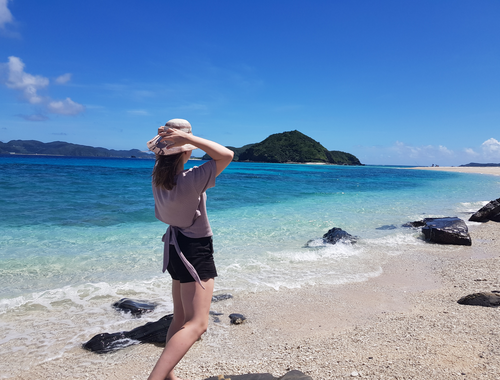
[{"x": 199, "y": 252}]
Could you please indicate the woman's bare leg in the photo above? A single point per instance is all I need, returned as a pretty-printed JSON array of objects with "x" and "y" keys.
[
  {"x": 195, "y": 305},
  {"x": 178, "y": 319}
]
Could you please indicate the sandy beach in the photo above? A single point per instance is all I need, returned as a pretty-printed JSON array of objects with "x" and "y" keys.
[
  {"x": 403, "y": 324},
  {"x": 492, "y": 170}
]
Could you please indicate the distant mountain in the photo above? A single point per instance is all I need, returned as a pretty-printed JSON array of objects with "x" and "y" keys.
[
  {"x": 475, "y": 164},
  {"x": 342, "y": 158},
  {"x": 291, "y": 146},
  {"x": 283, "y": 147},
  {"x": 61, "y": 148}
]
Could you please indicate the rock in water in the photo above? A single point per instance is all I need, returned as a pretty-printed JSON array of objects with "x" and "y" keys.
[
  {"x": 151, "y": 332},
  {"x": 221, "y": 297},
  {"x": 105, "y": 342},
  {"x": 292, "y": 375},
  {"x": 450, "y": 230},
  {"x": 488, "y": 299},
  {"x": 338, "y": 234},
  {"x": 416, "y": 224},
  {"x": 491, "y": 211},
  {"x": 386, "y": 227},
  {"x": 134, "y": 307}
]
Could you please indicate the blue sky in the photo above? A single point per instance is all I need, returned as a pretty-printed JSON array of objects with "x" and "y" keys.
[{"x": 393, "y": 82}]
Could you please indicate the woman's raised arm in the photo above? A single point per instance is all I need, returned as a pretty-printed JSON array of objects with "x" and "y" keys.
[{"x": 220, "y": 154}]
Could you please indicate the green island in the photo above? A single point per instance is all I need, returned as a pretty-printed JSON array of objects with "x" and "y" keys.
[
  {"x": 61, "y": 148},
  {"x": 286, "y": 147},
  {"x": 291, "y": 147}
]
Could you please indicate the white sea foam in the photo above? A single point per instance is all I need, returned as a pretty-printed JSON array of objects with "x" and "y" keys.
[{"x": 51, "y": 323}]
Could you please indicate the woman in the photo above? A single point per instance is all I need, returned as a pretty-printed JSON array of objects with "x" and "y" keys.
[{"x": 180, "y": 201}]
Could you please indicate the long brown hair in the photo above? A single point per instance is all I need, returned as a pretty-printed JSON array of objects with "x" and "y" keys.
[{"x": 165, "y": 170}]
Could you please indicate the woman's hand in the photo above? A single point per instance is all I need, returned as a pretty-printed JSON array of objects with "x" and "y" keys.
[{"x": 175, "y": 136}]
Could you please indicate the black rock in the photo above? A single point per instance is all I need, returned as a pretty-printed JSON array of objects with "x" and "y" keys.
[
  {"x": 449, "y": 230},
  {"x": 338, "y": 234},
  {"x": 221, "y": 297},
  {"x": 491, "y": 211},
  {"x": 250, "y": 376},
  {"x": 151, "y": 332},
  {"x": 105, "y": 342},
  {"x": 215, "y": 316},
  {"x": 488, "y": 299},
  {"x": 496, "y": 218},
  {"x": 416, "y": 224},
  {"x": 386, "y": 227},
  {"x": 134, "y": 307},
  {"x": 237, "y": 319},
  {"x": 292, "y": 375},
  {"x": 295, "y": 375}
]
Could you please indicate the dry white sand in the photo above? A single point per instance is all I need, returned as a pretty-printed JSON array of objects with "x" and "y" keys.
[
  {"x": 492, "y": 170},
  {"x": 404, "y": 324}
]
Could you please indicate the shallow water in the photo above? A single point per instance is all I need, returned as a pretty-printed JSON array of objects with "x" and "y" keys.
[{"x": 79, "y": 233}]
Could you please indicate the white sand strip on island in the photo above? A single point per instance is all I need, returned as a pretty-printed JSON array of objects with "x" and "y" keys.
[
  {"x": 404, "y": 324},
  {"x": 491, "y": 170}
]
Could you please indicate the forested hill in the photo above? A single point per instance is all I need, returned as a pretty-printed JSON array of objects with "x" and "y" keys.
[
  {"x": 61, "y": 148},
  {"x": 291, "y": 146},
  {"x": 283, "y": 147}
]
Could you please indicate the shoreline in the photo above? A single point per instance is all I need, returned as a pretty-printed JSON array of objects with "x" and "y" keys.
[
  {"x": 405, "y": 323},
  {"x": 488, "y": 170}
]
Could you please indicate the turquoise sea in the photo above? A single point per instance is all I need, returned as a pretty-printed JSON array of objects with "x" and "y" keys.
[{"x": 78, "y": 234}]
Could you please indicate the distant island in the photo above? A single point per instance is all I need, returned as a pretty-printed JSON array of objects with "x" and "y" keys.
[
  {"x": 476, "y": 165},
  {"x": 61, "y": 148},
  {"x": 288, "y": 147}
]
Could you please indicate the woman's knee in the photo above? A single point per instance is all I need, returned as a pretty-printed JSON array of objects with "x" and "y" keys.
[
  {"x": 198, "y": 327},
  {"x": 202, "y": 326}
]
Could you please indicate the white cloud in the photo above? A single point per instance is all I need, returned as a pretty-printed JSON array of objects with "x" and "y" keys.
[
  {"x": 444, "y": 150},
  {"x": 138, "y": 112},
  {"x": 65, "y": 107},
  {"x": 65, "y": 78},
  {"x": 5, "y": 15},
  {"x": 402, "y": 154},
  {"x": 471, "y": 152},
  {"x": 418, "y": 152},
  {"x": 34, "y": 117},
  {"x": 491, "y": 149},
  {"x": 491, "y": 145},
  {"x": 29, "y": 85}
]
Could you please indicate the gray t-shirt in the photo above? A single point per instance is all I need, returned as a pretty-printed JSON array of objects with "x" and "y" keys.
[
  {"x": 184, "y": 209},
  {"x": 184, "y": 206}
]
